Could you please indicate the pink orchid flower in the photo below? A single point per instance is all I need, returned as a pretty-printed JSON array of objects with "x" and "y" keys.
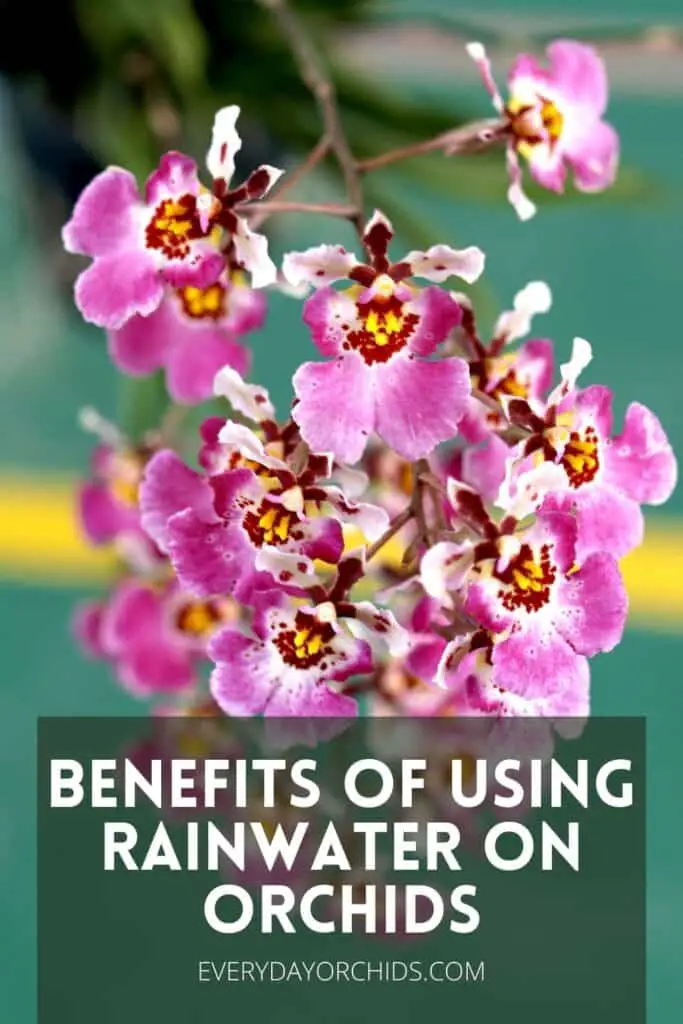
[
  {"x": 192, "y": 334},
  {"x": 154, "y": 636},
  {"x": 379, "y": 333},
  {"x": 555, "y": 118},
  {"x": 139, "y": 246}
]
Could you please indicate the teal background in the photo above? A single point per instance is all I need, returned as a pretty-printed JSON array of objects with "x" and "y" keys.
[{"x": 616, "y": 274}]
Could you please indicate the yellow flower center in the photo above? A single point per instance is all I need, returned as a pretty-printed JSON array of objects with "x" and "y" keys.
[
  {"x": 384, "y": 325},
  {"x": 199, "y": 618},
  {"x": 203, "y": 303},
  {"x": 125, "y": 475},
  {"x": 307, "y": 643},
  {"x": 528, "y": 579},
  {"x": 173, "y": 225},
  {"x": 553, "y": 120},
  {"x": 270, "y": 523},
  {"x": 580, "y": 458},
  {"x": 534, "y": 120}
]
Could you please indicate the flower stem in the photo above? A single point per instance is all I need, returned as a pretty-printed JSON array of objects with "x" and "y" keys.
[
  {"x": 318, "y": 153},
  {"x": 470, "y": 138},
  {"x": 396, "y": 524},
  {"x": 320, "y": 84},
  {"x": 269, "y": 206}
]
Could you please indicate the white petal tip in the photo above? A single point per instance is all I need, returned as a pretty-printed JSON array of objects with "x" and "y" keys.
[
  {"x": 538, "y": 296},
  {"x": 582, "y": 352},
  {"x": 477, "y": 263},
  {"x": 274, "y": 172},
  {"x": 263, "y": 276},
  {"x": 476, "y": 51},
  {"x": 92, "y": 422},
  {"x": 225, "y": 380},
  {"x": 229, "y": 113}
]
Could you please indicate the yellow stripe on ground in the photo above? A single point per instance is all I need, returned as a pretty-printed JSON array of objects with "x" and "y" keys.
[
  {"x": 40, "y": 543},
  {"x": 654, "y": 576}
]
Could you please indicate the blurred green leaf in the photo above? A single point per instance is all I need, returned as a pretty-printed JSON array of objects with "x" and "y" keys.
[
  {"x": 167, "y": 29},
  {"x": 143, "y": 402},
  {"x": 482, "y": 178}
]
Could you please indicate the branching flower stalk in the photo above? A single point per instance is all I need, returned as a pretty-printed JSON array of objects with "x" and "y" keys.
[{"x": 438, "y": 523}]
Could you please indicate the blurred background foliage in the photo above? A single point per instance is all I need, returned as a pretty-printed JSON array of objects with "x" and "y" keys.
[
  {"x": 122, "y": 80},
  {"x": 119, "y": 81}
]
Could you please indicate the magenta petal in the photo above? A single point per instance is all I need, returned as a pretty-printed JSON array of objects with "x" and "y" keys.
[
  {"x": 593, "y": 406},
  {"x": 324, "y": 314},
  {"x": 156, "y": 668},
  {"x": 484, "y": 468},
  {"x": 438, "y": 313},
  {"x": 419, "y": 403},
  {"x": 527, "y": 67},
  {"x": 537, "y": 664},
  {"x": 133, "y": 616},
  {"x": 535, "y": 365},
  {"x": 484, "y": 605},
  {"x": 168, "y": 487},
  {"x": 548, "y": 170},
  {"x": 86, "y": 626},
  {"x": 247, "y": 309},
  {"x": 196, "y": 355},
  {"x": 201, "y": 268},
  {"x": 104, "y": 220},
  {"x": 558, "y": 528},
  {"x": 266, "y": 605},
  {"x": 323, "y": 538},
  {"x": 140, "y": 346},
  {"x": 592, "y": 606},
  {"x": 572, "y": 701},
  {"x": 640, "y": 461},
  {"x": 424, "y": 657},
  {"x": 232, "y": 485},
  {"x": 243, "y": 679},
  {"x": 579, "y": 73},
  {"x": 335, "y": 411},
  {"x": 209, "y": 558},
  {"x": 116, "y": 287},
  {"x": 102, "y": 517},
  {"x": 357, "y": 661},
  {"x": 210, "y": 455},
  {"x": 301, "y": 696},
  {"x": 175, "y": 176},
  {"x": 608, "y": 521},
  {"x": 594, "y": 157}
]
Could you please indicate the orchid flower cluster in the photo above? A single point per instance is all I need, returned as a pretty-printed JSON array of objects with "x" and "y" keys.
[{"x": 436, "y": 527}]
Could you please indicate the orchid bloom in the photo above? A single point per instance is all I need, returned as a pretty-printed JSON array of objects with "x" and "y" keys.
[
  {"x": 555, "y": 120},
  {"x": 141, "y": 246},
  {"x": 192, "y": 335},
  {"x": 498, "y": 371},
  {"x": 287, "y": 667},
  {"x": 107, "y": 503},
  {"x": 298, "y": 655},
  {"x": 154, "y": 636},
  {"x": 379, "y": 332},
  {"x": 228, "y": 532},
  {"x": 251, "y": 514},
  {"x": 604, "y": 479},
  {"x": 536, "y": 612}
]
